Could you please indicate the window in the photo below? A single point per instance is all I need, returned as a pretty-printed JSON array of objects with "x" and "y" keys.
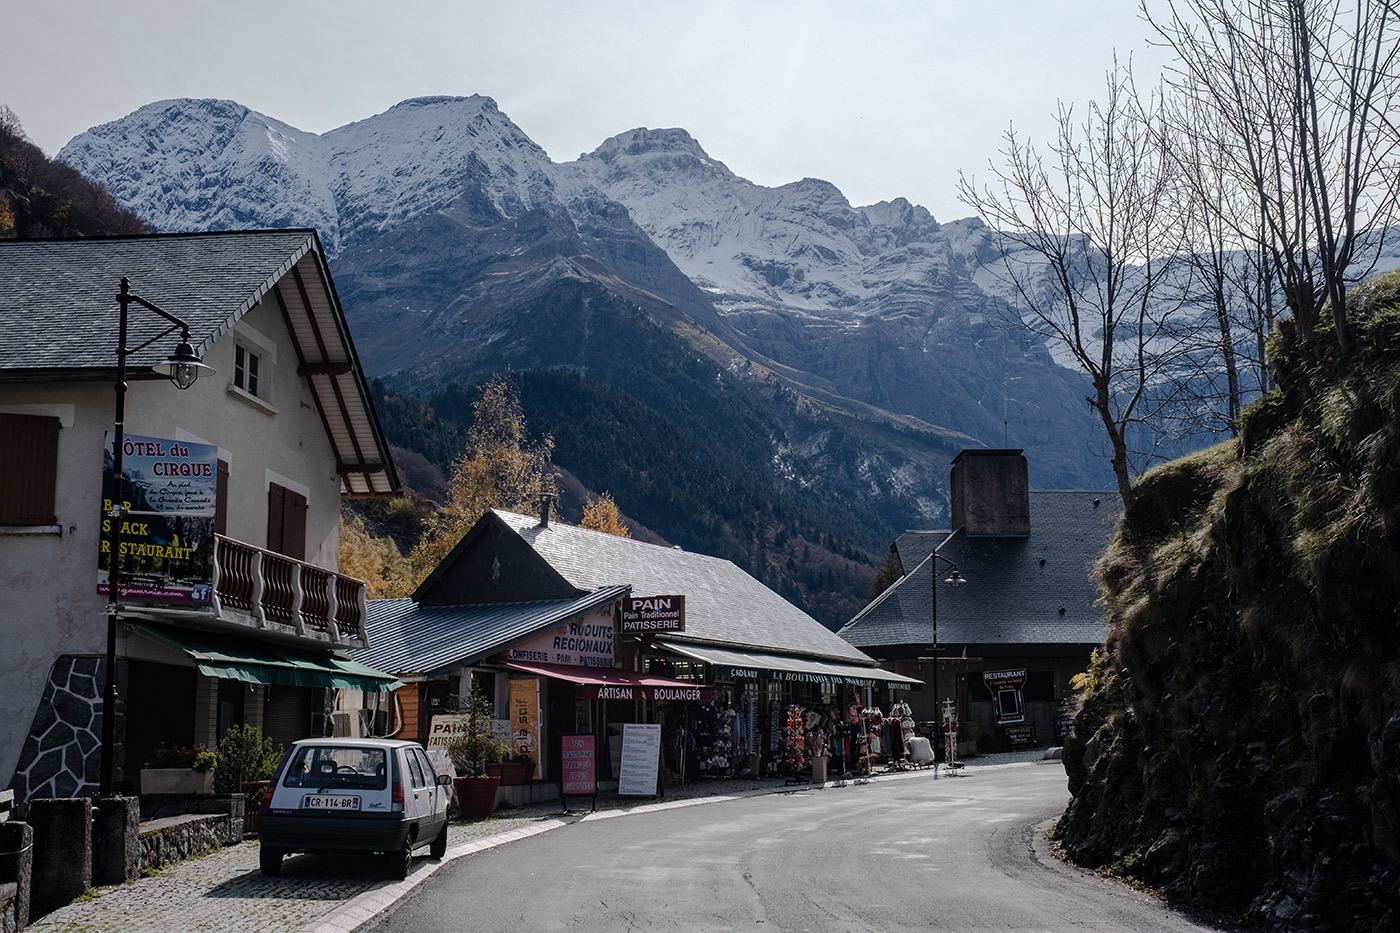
[
  {"x": 28, "y": 469},
  {"x": 246, "y": 364}
]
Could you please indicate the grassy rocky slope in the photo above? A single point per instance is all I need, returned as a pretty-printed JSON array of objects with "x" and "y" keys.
[{"x": 1238, "y": 747}]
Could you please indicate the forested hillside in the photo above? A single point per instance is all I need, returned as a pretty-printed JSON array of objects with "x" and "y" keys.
[
  {"x": 43, "y": 198},
  {"x": 1239, "y": 743}
]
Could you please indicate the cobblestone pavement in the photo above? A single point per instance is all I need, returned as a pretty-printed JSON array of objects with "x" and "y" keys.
[{"x": 224, "y": 890}]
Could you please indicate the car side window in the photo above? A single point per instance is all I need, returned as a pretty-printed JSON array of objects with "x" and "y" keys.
[
  {"x": 428, "y": 770},
  {"x": 415, "y": 769}
]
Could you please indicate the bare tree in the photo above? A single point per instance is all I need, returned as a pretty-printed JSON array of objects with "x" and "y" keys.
[
  {"x": 1303, "y": 91},
  {"x": 1090, "y": 249}
]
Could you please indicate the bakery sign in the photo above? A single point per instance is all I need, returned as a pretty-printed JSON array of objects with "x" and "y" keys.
[
  {"x": 644, "y": 615},
  {"x": 1008, "y": 704}
]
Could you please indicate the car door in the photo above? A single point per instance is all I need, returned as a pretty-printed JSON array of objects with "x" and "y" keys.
[
  {"x": 437, "y": 793},
  {"x": 417, "y": 802}
]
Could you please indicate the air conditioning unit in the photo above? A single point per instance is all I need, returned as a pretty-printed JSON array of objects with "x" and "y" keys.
[{"x": 345, "y": 724}]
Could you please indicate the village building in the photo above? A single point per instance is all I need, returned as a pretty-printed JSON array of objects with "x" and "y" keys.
[
  {"x": 226, "y": 509},
  {"x": 1006, "y": 612},
  {"x": 571, "y": 631}
]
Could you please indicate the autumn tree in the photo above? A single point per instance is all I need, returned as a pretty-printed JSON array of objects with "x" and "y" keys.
[
  {"x": 378, "y": 561},
  {"x": 601, "y": 514},
  {"x": 500, "y": 468}
]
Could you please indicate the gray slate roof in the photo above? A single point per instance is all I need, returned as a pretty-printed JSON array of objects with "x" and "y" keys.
[
  {"x": 723, "y": 605},
  {"x": 412, "y": 640},
  {"x": 59, "y": 318},
  {"x": 1011, "y": 600}
]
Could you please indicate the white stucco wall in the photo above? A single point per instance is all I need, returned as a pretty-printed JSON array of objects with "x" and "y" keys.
[{"x": 48, "y": 577}]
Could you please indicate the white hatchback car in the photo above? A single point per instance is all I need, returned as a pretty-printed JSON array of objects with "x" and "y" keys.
[{"x": 354, "y": 795}]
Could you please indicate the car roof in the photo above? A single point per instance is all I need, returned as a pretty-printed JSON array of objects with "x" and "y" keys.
[{"x": 356, "y": 743}]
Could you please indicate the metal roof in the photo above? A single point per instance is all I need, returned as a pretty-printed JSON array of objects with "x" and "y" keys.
[
  {"x": 414, "y": 641},
  {"x": 724, "y": 605},
  {"x": 56, "y": 294},
  {"x": 1022, "y": 592}
]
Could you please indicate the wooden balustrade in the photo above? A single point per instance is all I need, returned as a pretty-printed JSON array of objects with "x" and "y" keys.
[{"x": 274, "y": 588}]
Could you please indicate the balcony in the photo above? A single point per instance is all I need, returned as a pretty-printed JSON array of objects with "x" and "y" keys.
[{"x": 273, "y": 592}]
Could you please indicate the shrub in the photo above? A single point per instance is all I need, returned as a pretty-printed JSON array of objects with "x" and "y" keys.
[
  {"x": 246, "y": 756},
  {"x": 194, "y": 757}
]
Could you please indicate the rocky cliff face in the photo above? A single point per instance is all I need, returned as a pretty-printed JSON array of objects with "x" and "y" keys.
[{"x": 1239, "y": 744}]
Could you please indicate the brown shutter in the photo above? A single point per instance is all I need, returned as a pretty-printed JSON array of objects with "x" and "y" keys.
[
  {"x": 286, "y": 522},
  {"x": 221, "y": 500},
  {"x": 28, "y": 469},
  {"x": 275, "y": 496}
]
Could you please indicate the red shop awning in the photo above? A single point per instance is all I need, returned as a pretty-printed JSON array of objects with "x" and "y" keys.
[{"x": 612, "y": 683}]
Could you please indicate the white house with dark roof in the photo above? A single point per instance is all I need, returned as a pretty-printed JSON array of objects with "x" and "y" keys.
[
  {"x": 490, "y": 608},
  {"x": 1025, "y": 599},
  {"x": 288, "y": 415}
]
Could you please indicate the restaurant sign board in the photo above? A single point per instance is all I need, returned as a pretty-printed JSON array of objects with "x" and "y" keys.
[
  {"x": 1005, "y": 687},
  {"x": 167, "y": 494}
]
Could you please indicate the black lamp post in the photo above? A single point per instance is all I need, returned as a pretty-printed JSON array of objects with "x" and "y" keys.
[
  {"x": 954, "y": 579},
  {"x": 183, "y": 367}
]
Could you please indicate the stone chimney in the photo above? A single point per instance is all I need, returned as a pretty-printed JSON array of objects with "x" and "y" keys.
[
  {"x": 546, "y": 500},
  {"x": 989, "y": 493}
]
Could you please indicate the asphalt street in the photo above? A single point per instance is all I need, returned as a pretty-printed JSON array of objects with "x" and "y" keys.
[{"x": 962, "y": 853}]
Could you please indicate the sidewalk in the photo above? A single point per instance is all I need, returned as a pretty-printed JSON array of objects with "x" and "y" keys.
[{"x": 336, "y": 894}]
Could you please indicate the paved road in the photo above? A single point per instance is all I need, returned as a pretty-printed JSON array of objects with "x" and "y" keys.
[{"x": 961, "y": 853}]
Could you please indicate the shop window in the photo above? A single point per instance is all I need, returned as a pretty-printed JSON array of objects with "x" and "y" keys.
[
  {"x": 286, "y": 522},
  {"x": 28, "y": 469}
]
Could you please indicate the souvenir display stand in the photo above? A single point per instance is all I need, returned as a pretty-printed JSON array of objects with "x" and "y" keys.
[{"x": 795, "y": 754}]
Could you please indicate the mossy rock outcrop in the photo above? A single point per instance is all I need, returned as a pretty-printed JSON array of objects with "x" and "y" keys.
[{"x": 1238, "y": 747}]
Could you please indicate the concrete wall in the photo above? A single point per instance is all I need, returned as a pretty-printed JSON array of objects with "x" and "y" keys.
[{"x": 48, "y": 575}]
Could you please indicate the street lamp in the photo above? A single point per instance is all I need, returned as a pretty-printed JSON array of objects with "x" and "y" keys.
[
  {"x": 954, "y": 579},
  {"x": 183, "y": 368}
]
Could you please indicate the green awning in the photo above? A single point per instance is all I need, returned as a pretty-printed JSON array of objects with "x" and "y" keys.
[
  {"x": 727, "y": 662},
  {"x": 259, "y": 662}
]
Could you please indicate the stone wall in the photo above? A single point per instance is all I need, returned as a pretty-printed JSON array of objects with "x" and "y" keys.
[
  {"x": 176, "y": 838},
  {"x": 62, "y": 757}
]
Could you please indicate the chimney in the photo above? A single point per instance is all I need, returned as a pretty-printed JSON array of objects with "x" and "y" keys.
[
  {"x": 545, "y": 500},
  {"x": 989, "y": 493}
]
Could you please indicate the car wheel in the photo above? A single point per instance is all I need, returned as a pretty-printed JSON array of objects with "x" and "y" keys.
[
  {"x": 270, "y": 860},
  {"x": 400, "y": 861},
  {"x": 438, "y": 848}
]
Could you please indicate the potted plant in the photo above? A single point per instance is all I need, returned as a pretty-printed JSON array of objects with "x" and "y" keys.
[
  {"x": 179, "y": 769},
  {"x": 471, "y": 750}
]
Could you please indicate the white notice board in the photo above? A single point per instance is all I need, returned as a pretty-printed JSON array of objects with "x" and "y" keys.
[{"x": 641, "y": 755}]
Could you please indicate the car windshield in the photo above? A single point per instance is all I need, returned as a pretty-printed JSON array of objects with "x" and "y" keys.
[{"x": 324, "y": 766}]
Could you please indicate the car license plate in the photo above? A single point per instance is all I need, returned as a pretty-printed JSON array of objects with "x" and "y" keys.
[{"x": 330, "y": 802}]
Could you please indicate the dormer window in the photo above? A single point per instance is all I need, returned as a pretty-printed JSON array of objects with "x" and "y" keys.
[{"x": 246, "y": 364}]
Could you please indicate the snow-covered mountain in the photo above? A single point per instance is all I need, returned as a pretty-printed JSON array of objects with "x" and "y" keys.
[{"x": 444, "y": 219}]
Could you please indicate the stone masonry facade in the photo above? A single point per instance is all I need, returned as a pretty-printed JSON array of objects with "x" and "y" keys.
[{"x": 62, "y": 756}]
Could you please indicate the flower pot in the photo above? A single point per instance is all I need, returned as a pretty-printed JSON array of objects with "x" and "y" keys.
[
  {"x": 176, "y": 781},
  {"x": 476, "y": 796}
]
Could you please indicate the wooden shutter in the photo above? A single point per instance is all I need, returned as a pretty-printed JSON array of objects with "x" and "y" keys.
[
  {"x": 286, "y": 522},
  {"x": 28, "y": 469},
  {"x": 221, "y": 500}
]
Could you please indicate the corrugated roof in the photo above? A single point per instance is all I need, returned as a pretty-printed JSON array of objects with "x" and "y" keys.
[
  {"x": 723, "y": 604},
  {"x": 55, "y": 295},
  {"x": 412, "y": 640},
  {"x": 1033, "y": 590}
]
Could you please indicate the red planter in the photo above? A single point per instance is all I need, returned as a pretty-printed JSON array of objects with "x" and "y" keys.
[
  {"x": 476, "y": 796},
  {"x": 511, "y": 772}
]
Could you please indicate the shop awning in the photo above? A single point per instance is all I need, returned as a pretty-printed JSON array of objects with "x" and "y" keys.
[
  {"x": 612, "y": 683},
  {"x": 230, "y": 658},
  {"x": 727, "y": 662}
]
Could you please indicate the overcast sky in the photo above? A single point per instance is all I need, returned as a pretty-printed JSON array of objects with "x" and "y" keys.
[{"x": 883, "y": 98}]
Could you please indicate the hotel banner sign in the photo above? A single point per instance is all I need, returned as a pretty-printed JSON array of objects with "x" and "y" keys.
[
  {"x": 168, "y": 490},
  {"x": 646, "y": 615}
]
